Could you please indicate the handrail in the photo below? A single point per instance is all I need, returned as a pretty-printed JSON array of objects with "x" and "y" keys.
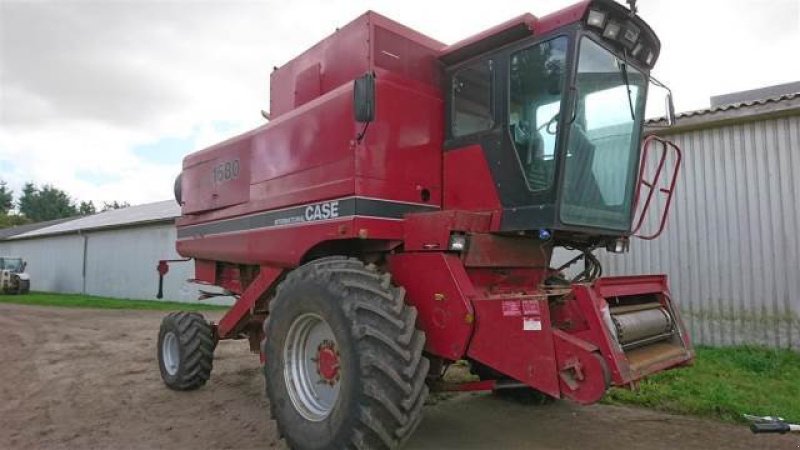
[{"x": 651, "y": 185}]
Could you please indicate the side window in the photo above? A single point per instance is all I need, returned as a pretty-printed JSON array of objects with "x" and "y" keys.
[
  {"x": 472, "y": 99},
  {"x": 537, "y": 75}
]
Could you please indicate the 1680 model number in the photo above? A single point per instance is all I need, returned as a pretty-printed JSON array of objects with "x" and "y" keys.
[{"x": 226, "y": 171}]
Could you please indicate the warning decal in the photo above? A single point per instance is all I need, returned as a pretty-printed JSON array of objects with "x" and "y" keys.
[
  {"x": 511, "y": 308},
  {"x": 531, "y": 308},
  {"x": 531, "y": 324}
]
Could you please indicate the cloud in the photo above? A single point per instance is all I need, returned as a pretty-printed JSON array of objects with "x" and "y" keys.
[{"x": 102, "y": 98}]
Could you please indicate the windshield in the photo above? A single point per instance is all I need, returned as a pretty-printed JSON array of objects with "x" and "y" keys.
[
  {"x": 601, "y": 159},
  {"x": 12, "y": 264}
]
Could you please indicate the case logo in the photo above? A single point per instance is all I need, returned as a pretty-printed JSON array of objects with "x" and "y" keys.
[{"x": 322, "y": 211}]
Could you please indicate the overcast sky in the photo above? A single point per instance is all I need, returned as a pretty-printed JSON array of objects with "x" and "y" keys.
[{"x": 104, "y": 98}]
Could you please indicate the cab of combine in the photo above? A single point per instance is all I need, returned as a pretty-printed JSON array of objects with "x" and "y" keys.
[
  {"x": 455, "y": 171},
  {"x": 557, "y": 115}
]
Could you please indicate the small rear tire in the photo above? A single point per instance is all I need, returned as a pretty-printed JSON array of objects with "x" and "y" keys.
[
  {"x": 344, "y": 365},
  {"x": 185, "y": 350}
]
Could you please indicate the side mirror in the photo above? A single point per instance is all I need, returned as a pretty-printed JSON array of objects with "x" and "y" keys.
[
  {"x": 364, "y": 98},
  {"x": 670, "y": 109}
]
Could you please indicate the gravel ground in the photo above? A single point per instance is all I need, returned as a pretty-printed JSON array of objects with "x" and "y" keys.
[{"x": 88, "y": 379}]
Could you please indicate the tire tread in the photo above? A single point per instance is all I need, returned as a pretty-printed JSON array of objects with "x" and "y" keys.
[
  {"x": 197, "y": 343},
  {"x": 390, "y": 346}
]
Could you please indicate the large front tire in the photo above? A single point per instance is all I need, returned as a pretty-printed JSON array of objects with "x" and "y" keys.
[
  {"x": 185, "y": 350},
  {"x": 344, "y": 365}
]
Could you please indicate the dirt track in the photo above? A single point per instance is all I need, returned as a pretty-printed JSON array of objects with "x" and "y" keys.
[{"x": 82, "y": 379}]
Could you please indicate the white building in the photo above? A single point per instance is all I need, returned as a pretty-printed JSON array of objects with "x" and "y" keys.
[{"x": 111, "y": 254}]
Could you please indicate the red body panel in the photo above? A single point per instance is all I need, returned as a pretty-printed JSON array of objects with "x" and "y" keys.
[
  {"x": 408, "y": 133},
  {"x": 468, "y": 182},
  {"x": 437, "y": 284},
  {"x": 285, "y": 246},
  {"x": 512, "y": 335}
]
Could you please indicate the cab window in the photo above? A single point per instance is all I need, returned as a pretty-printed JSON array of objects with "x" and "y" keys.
[
  {"x": 472, "y": 99},
  {"x": 537, "y": 75}
]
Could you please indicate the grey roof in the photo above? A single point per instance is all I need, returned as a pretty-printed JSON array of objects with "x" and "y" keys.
[
  {"x": 753, "y": 95},
  {"x": 783, "y": 105},
  {"x": 165, "y": 211},
  {"x": 6, "y": 233},
  {"x": 741, "y": 105}
]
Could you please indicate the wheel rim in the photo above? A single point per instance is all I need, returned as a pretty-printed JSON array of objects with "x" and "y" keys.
[
  {"x": 312, "y": 367},
  {"x": 169, "y": 353}
]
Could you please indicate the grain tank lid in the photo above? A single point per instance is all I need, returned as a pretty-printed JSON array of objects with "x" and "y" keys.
[
  {"x": 512, "y": 30},
  {"x": 370, "y": 41}
]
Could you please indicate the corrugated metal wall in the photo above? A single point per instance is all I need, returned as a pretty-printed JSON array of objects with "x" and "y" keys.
[
  {"x": 118, "y": 263},
  {"x": 731, "y": 246},
  {"x": 55, "y": 264}
]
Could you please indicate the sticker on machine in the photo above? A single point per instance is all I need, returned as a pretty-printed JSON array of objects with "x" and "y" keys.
[
  {"x": 531, "y": 324},
  {"x": 530, "y": 307},
  {"x": 511, "y": 308}
]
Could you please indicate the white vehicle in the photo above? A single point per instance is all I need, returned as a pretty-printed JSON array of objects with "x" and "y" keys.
[{"x": 13, "y": 278}]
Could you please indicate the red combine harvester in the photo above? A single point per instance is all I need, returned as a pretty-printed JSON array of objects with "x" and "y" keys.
[{"x": 399, "y": 213}]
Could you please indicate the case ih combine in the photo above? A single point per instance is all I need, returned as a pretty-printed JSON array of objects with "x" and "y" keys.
[{"x": 399, "y": 213}]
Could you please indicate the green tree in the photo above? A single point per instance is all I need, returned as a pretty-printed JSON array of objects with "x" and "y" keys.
[
  {"x": 6, "y": 198},
  {"x": 28, "y": 199},
  {"x": 87, "y": 208},
  {"x": 108, "y": 206},
  {"x": 45, "y": 203},
  {"x": 12, "y": 220}
]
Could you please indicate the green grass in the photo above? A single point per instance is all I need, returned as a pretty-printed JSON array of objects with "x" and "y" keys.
[
  {"x": 724, "y": 383},
  {"x": 88, "y": 301}
]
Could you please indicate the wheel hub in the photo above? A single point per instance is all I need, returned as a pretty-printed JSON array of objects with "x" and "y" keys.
[
  {"x": 312, "y": 368},
  {"x": 328, "y": 362},
  {"x": 170, "y": 353}
]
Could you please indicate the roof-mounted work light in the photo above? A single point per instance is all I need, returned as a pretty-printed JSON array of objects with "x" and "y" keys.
[
  {"x": 630, "y": 35},
  {"x": 596, "y": 18},
  {"x": 612, "y": 30}
]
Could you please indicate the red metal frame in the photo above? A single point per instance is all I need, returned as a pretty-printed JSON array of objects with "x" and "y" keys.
[
  {"x": 651, "y": 185},
  {"x": 246, "y": 303}
]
